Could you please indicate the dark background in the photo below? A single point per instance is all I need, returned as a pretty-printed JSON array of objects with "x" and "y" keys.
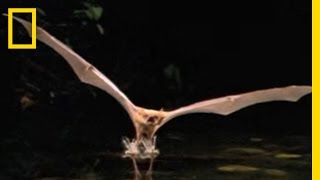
[{"x": 162, "y": 55}]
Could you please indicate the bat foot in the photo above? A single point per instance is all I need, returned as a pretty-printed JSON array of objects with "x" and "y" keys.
[{"x": 140, "y": 149}]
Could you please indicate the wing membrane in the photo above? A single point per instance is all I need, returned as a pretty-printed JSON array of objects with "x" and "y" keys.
[
  {"x": 86, "y": 72},
  {"x": 229, "y": 104}
]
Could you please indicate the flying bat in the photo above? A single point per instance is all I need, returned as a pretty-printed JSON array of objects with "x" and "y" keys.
[{"x": 148, "y": 121}]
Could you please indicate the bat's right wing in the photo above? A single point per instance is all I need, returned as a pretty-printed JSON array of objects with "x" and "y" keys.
[
  {"x": 86, "y": 72},
  {"x": 229, "y": 104}
]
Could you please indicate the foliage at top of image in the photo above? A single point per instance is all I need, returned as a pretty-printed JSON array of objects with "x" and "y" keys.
[{"x": 92, "y": 12}]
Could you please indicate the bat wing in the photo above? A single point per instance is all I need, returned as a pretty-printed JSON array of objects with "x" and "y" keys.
[
  {"x": 86, "y": 72},
  {"x": 229, "y": 104}
]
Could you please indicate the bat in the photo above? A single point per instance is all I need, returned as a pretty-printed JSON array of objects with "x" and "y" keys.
[{"x": 148, "y": 121}]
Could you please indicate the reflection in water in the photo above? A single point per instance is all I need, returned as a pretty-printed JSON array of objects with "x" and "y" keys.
[
  {"x": 287, "y": 157},
  {"x": 137, "y": 173},
  {"x": 141, "y": 150}
]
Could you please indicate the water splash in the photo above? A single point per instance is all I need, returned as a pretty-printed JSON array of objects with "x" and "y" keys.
[{"x": 142, "y": 149}]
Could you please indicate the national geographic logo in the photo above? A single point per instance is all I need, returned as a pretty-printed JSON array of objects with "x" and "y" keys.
[{"x": 11, "y": 45}]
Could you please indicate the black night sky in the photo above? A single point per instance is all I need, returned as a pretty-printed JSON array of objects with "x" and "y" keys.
[{"x": 162, "y": 55}]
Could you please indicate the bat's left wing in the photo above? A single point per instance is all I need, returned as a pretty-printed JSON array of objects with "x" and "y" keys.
[
  {"x": 229, "y": 104},
  {"x": 86, "y": 72}
]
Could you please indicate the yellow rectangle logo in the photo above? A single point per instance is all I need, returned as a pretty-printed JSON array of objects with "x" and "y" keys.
[{"x": 10, "y": 28}]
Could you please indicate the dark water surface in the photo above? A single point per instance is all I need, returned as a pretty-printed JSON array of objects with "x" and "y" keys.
[{"x": 223, "y": 156}]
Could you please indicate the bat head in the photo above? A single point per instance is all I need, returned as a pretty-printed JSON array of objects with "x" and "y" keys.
[
  {"x": 150, "y": 117},
  {"x": 146, "y": 122}
]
